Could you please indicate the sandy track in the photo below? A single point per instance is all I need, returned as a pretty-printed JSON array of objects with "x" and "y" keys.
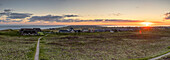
[
  {"x": 156, "y": 58},
  {"x": 37, "y": 50}
]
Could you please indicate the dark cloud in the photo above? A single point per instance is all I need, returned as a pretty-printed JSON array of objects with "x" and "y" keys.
[
  {"x": 119, "y": 20},
  {"x": 99, "y": 20},
  {"x": 52, "y": 18},
  {"x": 104, "y": 20},
  {"x": 167, "y": 16},
  {"x": 45, "y": 18},
  {"x": 19, "y": 15},
  {"x": 70, "y": 15},
  {"x": 11, "y": 15},
  {"x": 7, "y": 10},
  {"x": 1, "y": 14}
]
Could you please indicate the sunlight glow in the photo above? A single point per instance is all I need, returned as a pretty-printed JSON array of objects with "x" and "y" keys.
[{"x": 147, "y": 23}]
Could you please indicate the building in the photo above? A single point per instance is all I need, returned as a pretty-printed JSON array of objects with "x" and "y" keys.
[
  {"x": 64, "y": 31},
  {"x": 29, "y": 31},
  {"x": 71, "y": 30},
  {"x": 85, "y": 30}
]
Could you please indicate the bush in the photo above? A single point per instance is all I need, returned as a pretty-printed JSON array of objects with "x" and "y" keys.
[
  {"x": 168, "y": 47},
  {"x": 9, "y": 33}
]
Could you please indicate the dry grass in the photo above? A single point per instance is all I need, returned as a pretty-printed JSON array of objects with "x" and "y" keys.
[
  {"x": 85, "y": 46},
  {"x": 105, "y": 46},
  {"x": 13, "y": 47}
]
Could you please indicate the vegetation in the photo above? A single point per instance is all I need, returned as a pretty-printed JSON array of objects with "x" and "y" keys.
[
  {"x": 16, "y": 47},
  {"x": 105, "y": 45},
  {"x": 86, "y": 46},
  {"x": 168, "y": 47}
]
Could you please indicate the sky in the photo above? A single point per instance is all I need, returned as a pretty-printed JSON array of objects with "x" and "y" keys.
[{"x": 85, "y": 12}]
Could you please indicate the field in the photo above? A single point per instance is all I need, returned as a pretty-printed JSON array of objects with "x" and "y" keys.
[
  {"x": 123, "y": 45},
  {"x": 105, "y": 45},
  {"x": 16, "y": 47}
]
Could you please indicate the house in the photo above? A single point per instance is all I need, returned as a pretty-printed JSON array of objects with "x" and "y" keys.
[
  {"x": 64, "y": 31},
  {"x": 52, "y": 28},
  {"x": 30, "y": 31},
  {"x": 71, "y": 30},
  {"x": 77, "y": 31},
  {"x": 37, "y": 29},
  {"x": 85, "y": 30}
]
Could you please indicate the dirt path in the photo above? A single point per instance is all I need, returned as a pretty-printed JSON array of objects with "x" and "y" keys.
[
  {"x": 156, "y": 58},
  {"x": 38, "y": 49}
]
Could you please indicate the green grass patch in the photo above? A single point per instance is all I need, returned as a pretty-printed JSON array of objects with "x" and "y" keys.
[
  {"x": 42, "y": 55},
  {"x": 168, "y": 47},
  {"x": 32, "y": 52},
  {"x": 10, "y": 33}
]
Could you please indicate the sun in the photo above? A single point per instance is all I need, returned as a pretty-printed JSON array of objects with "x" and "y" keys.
[{"x": 147, "y": 23}]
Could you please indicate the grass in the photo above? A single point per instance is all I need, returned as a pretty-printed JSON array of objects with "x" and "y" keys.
[
  {"x": 9, "y": 33},
  {"x": 16, "y": 47},
  {"x": 105, "y": 45},
  {"x": 86, "y": 46},
  {"x": 42, "y": 50},
  {"x": 32, "y": 52},
  {"x": 168, "y": 47}
]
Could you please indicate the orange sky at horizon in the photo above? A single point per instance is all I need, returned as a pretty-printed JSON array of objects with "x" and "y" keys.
[{"x": 164, "y": 23}]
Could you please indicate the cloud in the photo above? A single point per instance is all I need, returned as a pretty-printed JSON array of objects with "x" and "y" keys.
[
  {"x": 120, "y": 20},
  {"x": 55, "y": 18},
  {"x": 19, "y": 15},
  {"x": 7, "y": 10},
  {"x": 11, "y": 20},
  {"x": 8, "y": 16},
  {"x": 49, "y": 18},
  {"x": 11, "y": 15},
  {"x": 116, "y": 14},
  {"x": 1, "y": 14},
  {"x": 167, "y": 16},
  {"x": 106, "y": 20},
  {"x": 70, "y": 15},
  {"x": 45, "y": 18},
  {"x": 52, "y": 18}
]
